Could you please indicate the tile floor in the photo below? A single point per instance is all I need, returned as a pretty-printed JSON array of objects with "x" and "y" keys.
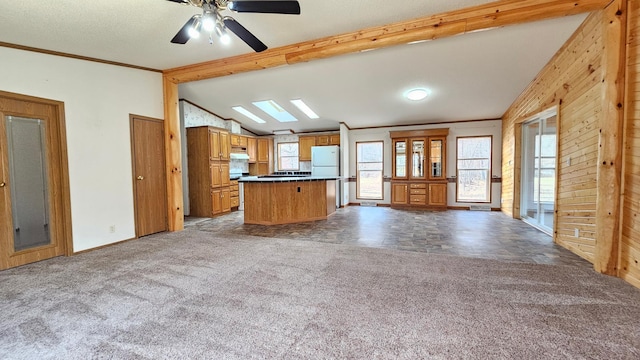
[{"x": 481, "y": 234}]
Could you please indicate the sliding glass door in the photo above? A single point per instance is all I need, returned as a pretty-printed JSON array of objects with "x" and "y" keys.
[{"x": 538, "y": 178}]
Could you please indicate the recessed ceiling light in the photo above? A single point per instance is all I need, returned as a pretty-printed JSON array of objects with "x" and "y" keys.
[
  {"x": 305, "y": 108},
  {"x": 275, "y": 111},
  {"x": 248, "y": 114},
  {"x": 416, "y": 94}
]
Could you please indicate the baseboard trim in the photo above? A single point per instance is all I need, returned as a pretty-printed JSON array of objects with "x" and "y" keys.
[
  {"x": 468, "y": 208},
  {"x": 377, "y": 204},
  {"x": 103, "y": 246}
]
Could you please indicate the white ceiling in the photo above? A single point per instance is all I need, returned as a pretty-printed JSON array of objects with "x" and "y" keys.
[{"x": 472, "y": 76}]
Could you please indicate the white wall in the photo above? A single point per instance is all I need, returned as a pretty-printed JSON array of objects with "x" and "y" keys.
[
  {"x": 475, "y": 128},
  {"x": 98, "y": 99}
]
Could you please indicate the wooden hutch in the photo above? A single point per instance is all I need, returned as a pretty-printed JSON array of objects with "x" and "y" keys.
[{"x": 418, "y": 164}]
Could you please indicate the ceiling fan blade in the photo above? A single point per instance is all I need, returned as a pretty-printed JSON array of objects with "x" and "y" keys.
[
  {"x": 244, "y": 34},
  {"x": 183, "y": 35},
  {"x": 271, "y": 7}
]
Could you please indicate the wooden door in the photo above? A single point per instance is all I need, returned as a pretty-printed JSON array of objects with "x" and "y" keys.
[
  {"x": 263, "y": 150},
  {"x": 214, "y": 145},
  {"x": 438, "y": 194},
  {"x": 150, "y": 183},
  {"x": 225, "y": 200},
  {"x": 19, "y": 115},
  {"x": 216, "y": 175},
  {"x": 305, "y": 143},
  {"x": 399, "y": 193},
  {"x": 224, "y": 174},
  {"x": 216, "y": 201},
  {"x": 251, "y": 149},
  {"x": 225, "y": 145}
]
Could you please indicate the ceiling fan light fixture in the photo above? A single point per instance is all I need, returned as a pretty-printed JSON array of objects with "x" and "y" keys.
[
  {"x": 416, "y": 94},
  {"x": 222, "y": 34},
  {"x": 208, "y": 22},
  {"x": 194, "y": 31}
]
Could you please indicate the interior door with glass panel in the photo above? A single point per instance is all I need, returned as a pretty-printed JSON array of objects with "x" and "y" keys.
[
  {"x": 538, "y": 178},
  {"x": 31, "y": 192}
]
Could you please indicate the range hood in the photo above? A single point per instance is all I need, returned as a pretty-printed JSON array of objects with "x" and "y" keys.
[{"x": 239, "y": 156}]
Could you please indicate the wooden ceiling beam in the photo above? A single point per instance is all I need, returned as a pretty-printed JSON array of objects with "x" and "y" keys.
[{"x": 477, "y": 18}]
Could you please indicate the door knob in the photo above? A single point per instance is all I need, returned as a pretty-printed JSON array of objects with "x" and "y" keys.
[
  {"x": 140, "y": 177},
  {"x": 2, "y": 185}
]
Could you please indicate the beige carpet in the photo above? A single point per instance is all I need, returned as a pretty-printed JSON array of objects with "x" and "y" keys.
[{"x": 189, "y": 295}]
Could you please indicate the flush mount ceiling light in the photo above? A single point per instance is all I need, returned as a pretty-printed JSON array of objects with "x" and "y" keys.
[
  {"x": 248, "y": 114},
  {"x": 305, "y": 108},
  {"x": 417, "y": 94},
  {"x": 275, "y": 111}
]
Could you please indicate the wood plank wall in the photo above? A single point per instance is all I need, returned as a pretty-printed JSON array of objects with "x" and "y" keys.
[
  {"x": 630, "y": 234},
  {"x": 571, "y": 81}
]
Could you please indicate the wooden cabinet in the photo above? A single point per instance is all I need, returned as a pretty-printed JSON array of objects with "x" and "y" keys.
[
  {"x": 399, "y": 193},
  {"x": 304, "y": 147},
  {"x": 418, "y": 176},
  {"x": 208, "y": 151},
  {"x": 334, "y": 139},
  {"x": 263, "y": 165},
  {"x": 322, "y": 140},
  {"x": 252, "y": 149},
  {"x": 235, "y": 140},
  {"x": 243, "y": 141},
  {"x": 234, "y": 194}
]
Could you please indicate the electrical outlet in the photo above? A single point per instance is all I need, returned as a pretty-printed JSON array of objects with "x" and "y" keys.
[
  {"x": 568, "y": 161},
  {"x": 112, "y": 229},
  {"x": 576, "y": 232}
]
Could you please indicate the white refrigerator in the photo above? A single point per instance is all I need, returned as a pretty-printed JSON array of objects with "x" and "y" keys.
[{"x": 325, "y": 161}]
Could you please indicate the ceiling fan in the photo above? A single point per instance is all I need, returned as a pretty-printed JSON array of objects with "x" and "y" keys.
[{"x": 212, "y": 21}]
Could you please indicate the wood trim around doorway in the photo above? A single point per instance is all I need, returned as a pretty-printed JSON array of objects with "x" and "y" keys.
[{"x": 60, "y": 163}]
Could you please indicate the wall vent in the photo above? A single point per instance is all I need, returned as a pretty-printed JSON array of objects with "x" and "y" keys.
[
  {"x": 480, "y": 207},
  {"x": 368, "y": 203}
]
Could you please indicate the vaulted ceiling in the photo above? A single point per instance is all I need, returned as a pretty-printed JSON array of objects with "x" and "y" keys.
[{"x": 472, "y": 76}]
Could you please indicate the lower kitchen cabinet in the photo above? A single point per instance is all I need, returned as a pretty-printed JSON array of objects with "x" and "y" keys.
[
  {"x": 420, "y": 194},
  {"x": 220, "y": 201}
]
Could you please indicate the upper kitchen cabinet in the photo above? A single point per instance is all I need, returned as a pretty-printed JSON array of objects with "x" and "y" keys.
[
  {"x": 252, "y": 149},
  {"x": 263, "y": 150},
  {"x": 304, "y": 147},
  {"x": 334, "y": 139},
  {"x": 322, "y": 140},
  {"x": 264, "y": 158},
  {"x": 219, "y": 144},
  {"x": 225, "y": 145}
]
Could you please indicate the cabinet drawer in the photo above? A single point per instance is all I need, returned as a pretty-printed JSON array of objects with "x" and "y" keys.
[
  {"x": 234, "y": 193},
  {"x": 418, "y": 199},
  {"x": 418, "y": 191},
  {"x": 234, "y": 188},
  {"x": 233, "y": 182},
  {"x": 418, "y": 186},
  {"x": 234, "y": 201}
]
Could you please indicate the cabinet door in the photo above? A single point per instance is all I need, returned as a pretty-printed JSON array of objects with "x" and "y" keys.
[
  {"x": 216, "y": 201},
  {"x": 304, "y": 147},
  {"x": 224, "y": 174},
  {"x": 399, "y": 194},
  {"x": 263, "y": 150},
  {"x": 235, "y": 140},
  {"x": 417, "y": 156},
  {"x": 214, "y": 145},
  {"x": 225, "y": 145},
  {"x": 437, "y": 158},
  {"x": 399, "y": 159},
  {"x": 263, "y": 169},
  {"x": 216, "y": 175},
  {"x": 243, "y": 141},
  {"x": 334, "y": 139},
  {"x": 252, "y": 149},
  {"x": 438, "y": 194},
  {"x": 322, "y": 140},
  {"x": 225, "y": 200}
]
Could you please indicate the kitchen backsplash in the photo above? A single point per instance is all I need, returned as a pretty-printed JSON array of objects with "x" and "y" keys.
[{"x": 236, "y": 166}]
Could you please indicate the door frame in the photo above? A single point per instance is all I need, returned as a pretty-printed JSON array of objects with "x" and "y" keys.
[
  {"x": 132, "y": 117},
  {"x": 60, "y": 203}
]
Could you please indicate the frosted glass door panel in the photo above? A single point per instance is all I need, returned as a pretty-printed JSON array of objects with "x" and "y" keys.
[{"x": 27, "y": 171}]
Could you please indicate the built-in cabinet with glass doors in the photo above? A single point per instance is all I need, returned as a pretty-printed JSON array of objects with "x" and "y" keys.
[{"x": 418, "y": 165}]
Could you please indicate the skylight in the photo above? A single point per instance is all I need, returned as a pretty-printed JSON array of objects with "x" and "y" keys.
[
  {"x": 275, "y": 111},
  {"x": 248, "y": 114},
  {"x": 304, "y": 108}
]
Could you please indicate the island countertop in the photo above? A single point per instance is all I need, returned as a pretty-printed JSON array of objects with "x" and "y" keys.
[
  {"x": 284, "y": 178},
  {"x": 288, "y": 199}
]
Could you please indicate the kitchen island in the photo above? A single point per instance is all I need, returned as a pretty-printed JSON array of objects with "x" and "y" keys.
[{"x": 272, "y": 200}]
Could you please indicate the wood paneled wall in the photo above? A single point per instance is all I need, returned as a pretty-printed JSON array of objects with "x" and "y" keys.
[
  {"x": 572, "y": 82},
  {"x": 630, "y": 223}
]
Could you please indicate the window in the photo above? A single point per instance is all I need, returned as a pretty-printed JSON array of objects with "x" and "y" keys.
[
  {"x": 474, "y": 169},
  {"x": 288, "y": 156},
  {"x": 369, "y": 180}
]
